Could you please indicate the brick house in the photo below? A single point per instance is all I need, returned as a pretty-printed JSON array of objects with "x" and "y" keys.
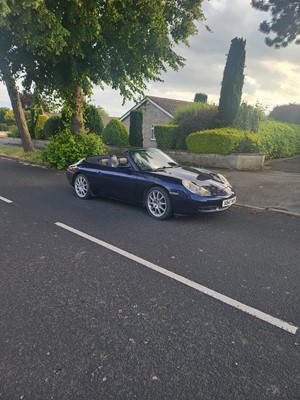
[{"x": 156, "y": 111}]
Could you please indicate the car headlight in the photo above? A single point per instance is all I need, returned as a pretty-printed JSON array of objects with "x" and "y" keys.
[
  {"x": 224, "y": 180},
  {"x": 192, "y": 187}
]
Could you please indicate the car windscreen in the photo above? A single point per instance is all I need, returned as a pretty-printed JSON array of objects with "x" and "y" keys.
[{"x": 151, "y": 159}]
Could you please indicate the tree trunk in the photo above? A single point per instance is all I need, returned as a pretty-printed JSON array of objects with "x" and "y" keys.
[
  {"x": 17, "y": 107},
  {"x": 77, "y": 124}
]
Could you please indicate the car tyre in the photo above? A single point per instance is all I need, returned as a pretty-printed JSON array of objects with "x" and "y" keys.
[
  {"x": 158, "y": 203},
  {"x": 82, "y": 187}
]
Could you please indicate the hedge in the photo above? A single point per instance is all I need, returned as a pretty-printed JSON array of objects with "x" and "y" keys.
[
  {"x": 279, "y": 139},
  {"x": 165, "y": 136},
  {"x": 223, "y": 141}
]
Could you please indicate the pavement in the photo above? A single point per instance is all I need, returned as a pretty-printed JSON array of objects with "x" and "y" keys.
[{"x": 275, "y": 188}]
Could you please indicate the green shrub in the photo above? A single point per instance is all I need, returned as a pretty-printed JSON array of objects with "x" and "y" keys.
[
  {"x": 52, "y": 126},
  {"x": 9, "y": 117},
  {"x": 3, "y": 126},
  {"x": 115, "y": 133},
  {"x": 189, "y": 110},
  {"x": 65, "y": 149},
  {"x": 39, "y": 126},
  {"x": 165, "y": 136},
  {"x": 200, "y": 97},
  {"x": 249, "y": 143},
  {"x": 221, "y": 141},
  {"x": 248, "y": 118},
  {"x": 3, "y": 111},
  {"x": 93, "y": 120},
  {"x": 200, "y": 120},
  {"x": 279, "y": 139},
  {"x": 14, "y": 132},
  {"x": 136, "y": 128}
]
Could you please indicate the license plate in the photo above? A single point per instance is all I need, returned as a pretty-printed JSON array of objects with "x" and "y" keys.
[{"x": 228, "y": 202}]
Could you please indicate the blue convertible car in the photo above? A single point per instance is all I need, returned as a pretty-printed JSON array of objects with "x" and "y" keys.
[{"x": 152, "y": 179}]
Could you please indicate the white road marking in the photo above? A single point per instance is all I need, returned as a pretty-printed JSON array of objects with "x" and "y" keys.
[
  {"x": 209, "y": 292},
  {"x": 5, "y": 200}
]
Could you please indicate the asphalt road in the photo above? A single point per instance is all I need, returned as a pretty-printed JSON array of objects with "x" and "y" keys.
[{"x": 78, "y": 320}]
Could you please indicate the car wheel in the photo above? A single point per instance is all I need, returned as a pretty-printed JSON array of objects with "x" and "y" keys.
[
  {"x": 82, "y": 187},
  {"x": 158, "y": 203}
]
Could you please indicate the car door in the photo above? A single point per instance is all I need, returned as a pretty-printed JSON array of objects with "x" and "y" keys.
[{"x": 120, "y": 183}]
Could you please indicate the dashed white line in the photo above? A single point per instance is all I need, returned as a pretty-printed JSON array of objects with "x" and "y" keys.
[
  {"x": 5, "y": 200},
  {"x": 209, "y": 292}
]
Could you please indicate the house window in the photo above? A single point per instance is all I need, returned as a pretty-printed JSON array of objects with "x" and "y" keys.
[{"x": 152, "y": 133}]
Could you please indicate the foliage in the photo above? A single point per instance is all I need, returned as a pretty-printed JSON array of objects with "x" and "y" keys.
[
  {"x": 249, "y": 143},
  {"x": 222, "y": 141},
  {"x": 93, "y": 121},
  {"x": 52, "y": 126},
  {"x": 115, "y": 133},
  {"x": 7, "y": 116},
  {"x": 188, "y": 111},
  {"x": 285, "y": 21},
  {"x": 233, "y": 81},
  {"x": 69, "y": 46},
  {"x": 39, "y": 126},
  {"x": 200, "y": 97},
  {"x": 279, "y": 139},
  {"x": 65, "y": 148},
  {"x": 3, "y": 111},
  {"x": 136, "y": 128},
  {"x": 14, "y": 132},
  {"x": 286, "y": 113},
  {"x": 165, "y": 136},
  {"x": 248, "y": 118},
  {"x": 102, "y": 112},
  {"x": 203, "y": 119},
  {"x": 3, "y": 126}
]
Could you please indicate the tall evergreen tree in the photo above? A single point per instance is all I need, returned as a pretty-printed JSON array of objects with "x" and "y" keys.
[
  {"x": 200, "y": 98},
  {"x": 136, "y": 128},
  {"x": 233, "y": 81}
]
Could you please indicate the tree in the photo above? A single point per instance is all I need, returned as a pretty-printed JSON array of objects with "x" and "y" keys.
[
  {"x": 7, "y": 76},
  {"x": 93, "y": 121},
  {"x": 286, "y": 113},
  {"x": 136, "y": 128},
  {"x": 200, "y": 98},
  {"x": 284, "y": 24},
  {"x": 233, "y": 81},
  {"x": 69, "y": 46}
]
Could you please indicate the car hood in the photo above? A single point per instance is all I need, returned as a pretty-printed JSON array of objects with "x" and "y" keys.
[{"x": 199, "y": 176}]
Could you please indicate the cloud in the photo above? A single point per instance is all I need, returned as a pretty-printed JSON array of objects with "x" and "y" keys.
[{"x": 271, "y": 75}]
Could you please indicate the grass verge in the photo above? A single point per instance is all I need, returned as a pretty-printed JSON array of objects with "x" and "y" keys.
[{"x": 35, "y": 156}]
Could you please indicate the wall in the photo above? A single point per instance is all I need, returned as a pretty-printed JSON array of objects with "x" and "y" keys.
[{"x": 240, "y": 161}]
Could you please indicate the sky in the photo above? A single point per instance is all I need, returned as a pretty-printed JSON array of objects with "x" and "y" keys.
[{"x": 271, "y": 76}]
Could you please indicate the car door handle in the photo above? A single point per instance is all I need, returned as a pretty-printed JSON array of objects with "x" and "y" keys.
[{"x": 99, "y": 172}]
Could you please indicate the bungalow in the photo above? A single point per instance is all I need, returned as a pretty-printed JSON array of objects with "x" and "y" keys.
[{"x": 156, "y": 110}]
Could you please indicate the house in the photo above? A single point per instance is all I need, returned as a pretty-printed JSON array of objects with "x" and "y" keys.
[{"x": 156, "y": 111}]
